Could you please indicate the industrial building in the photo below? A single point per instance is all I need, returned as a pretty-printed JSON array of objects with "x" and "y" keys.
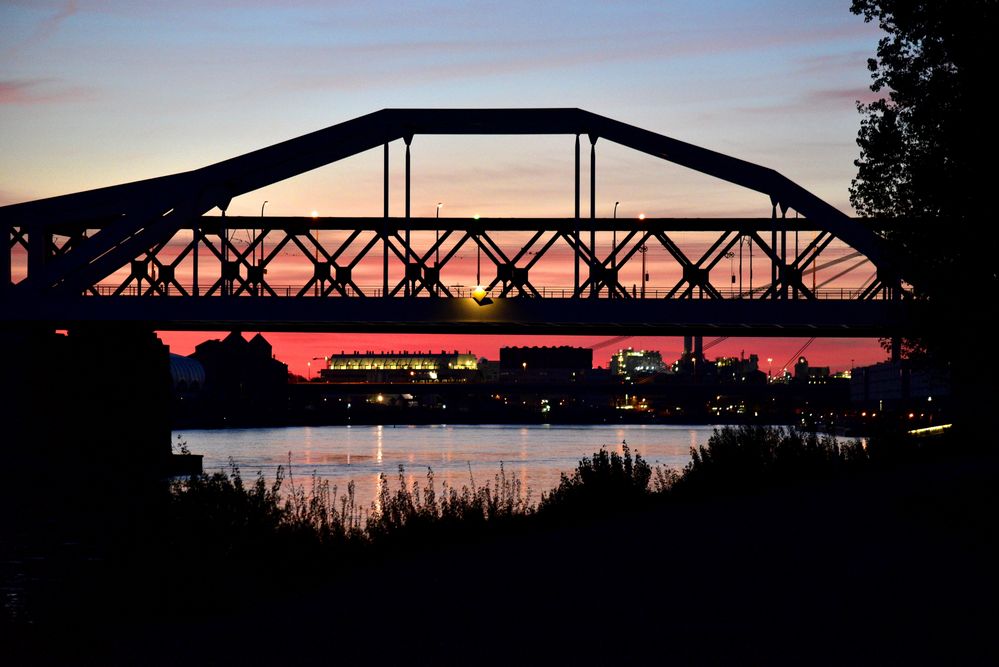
[
  {"x": 810, "y": 374},
  {"x": 739, "y": 369},
  {"x": 898, "y": 383},
  {"x": 631, "y": 362},
  {"x": 403, "y": 366},
  {"x": 563, "y": 363},
  {"x": 240, "y": 382}
]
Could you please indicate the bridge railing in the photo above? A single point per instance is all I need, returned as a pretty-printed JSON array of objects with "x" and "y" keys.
[{"x": 462, "y": 292}]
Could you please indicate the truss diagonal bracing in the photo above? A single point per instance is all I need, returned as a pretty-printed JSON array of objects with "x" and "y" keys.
[{"x": 148, "y": 251}]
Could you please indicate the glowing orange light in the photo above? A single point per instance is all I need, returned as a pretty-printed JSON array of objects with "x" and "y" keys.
[
  {"x": 479, "y": 294},
  {"x": 641, "y": 216}
]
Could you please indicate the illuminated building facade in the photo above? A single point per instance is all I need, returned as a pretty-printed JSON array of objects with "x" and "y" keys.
[
  {"x": 810, "y": 374},
  {"x": 739, "y": 369},
  {"x": 401, "y": 366},
  {"x": 631, "y": 362}
]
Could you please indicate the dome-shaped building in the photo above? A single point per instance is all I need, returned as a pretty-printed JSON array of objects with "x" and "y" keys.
[{"x": 188, "y": 374}]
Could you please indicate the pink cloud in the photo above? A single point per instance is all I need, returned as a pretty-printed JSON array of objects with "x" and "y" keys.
[
  {"x": 836, "y": 95},
  {"x": 817, "y": 101},
  {"x": 40, "y": 91},
  {"x": 45, "y": 29}
]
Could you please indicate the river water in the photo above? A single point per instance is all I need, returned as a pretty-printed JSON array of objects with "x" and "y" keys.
[{"x": 537, "y": 454}]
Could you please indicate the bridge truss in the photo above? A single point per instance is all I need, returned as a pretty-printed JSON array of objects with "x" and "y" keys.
[{"x": 146, "y": 252}]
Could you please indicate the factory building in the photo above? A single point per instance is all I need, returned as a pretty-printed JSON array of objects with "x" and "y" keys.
[
  {"x": 692, "y": 361},
  {"x": 632, "y": 362},
  {"x": 545, "y": 363},
  {"x": 898, "y": 383},
  {"x": 240, "y": 380},
  {"x": 810, "y": 374},
  {"x": 739, "y": 369}
]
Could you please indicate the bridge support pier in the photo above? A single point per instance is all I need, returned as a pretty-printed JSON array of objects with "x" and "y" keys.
[{"x": 94, "y": 401}]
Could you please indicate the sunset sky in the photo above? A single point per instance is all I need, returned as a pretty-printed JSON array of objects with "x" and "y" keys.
[{"x": 94, "y": 93}]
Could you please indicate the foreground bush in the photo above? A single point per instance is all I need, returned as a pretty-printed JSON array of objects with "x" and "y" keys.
[
  {"x": 223, "y": 513},
  {"x": 747, "y": 457},
  {"x": 163, "y": 549},
  {"x": 608, "y": 481}
]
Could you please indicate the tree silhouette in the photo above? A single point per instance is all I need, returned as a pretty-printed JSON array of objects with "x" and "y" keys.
[
  {"x": 924, "y": 146},
  {"x": 927, "y": 165}
]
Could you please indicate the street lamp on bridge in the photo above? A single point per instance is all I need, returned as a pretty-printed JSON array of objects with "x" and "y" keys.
[
  {"x": 437, "y": 218},
  {"x": 262, "y": 231},
  {"x": 614, "y": 243},
  {"x": 644, "y": 249}
]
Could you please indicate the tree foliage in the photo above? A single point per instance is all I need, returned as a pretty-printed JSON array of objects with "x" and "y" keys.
[{"x": 927, "y": 146}]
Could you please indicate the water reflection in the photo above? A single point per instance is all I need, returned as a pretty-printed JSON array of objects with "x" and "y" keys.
[{"x": 538, "y": 454}]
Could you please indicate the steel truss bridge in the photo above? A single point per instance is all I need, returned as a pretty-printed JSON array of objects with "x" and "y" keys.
[{"x": 145, "y": 252}]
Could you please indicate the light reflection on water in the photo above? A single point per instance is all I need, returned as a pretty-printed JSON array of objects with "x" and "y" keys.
[{"x": 536, "y": 453}]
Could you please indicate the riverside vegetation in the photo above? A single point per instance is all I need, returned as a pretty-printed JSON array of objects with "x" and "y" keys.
[{"x": 207, "y": 531}]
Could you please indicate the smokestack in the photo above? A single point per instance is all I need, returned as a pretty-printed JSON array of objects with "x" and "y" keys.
[
  {"x": 698, "y": 347},
  {"x": 686, "y": 345}
]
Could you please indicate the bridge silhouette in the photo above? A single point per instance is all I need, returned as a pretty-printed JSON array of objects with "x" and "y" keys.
[{"x": 146, "y": 252}]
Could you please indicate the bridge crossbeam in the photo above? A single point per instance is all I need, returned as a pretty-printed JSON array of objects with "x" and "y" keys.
[
  {"x": 231, "y": 257},
  {"x": 151, "y": 240}
]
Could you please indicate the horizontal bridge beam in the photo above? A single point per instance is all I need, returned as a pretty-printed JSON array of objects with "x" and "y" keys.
[
  {"x": 508, "y": 316},
  {"x": 212, "y": 224}
]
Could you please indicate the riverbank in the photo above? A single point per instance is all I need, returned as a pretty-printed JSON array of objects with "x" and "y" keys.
[
  {"x": 891, "y": 564},
  {"x": 892, "y": 567}
]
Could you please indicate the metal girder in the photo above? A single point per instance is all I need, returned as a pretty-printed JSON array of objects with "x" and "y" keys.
[
  {"x": 518, "y": 315},
  {"x": 236, "y": 176},
  {"x": 129, "y": 225},
  {"x": 235, "y": 271}
]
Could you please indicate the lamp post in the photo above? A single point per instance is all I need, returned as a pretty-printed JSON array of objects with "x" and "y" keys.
[
  {"x": 644, "y": 249},
  {"x": 262, "y": 231},
  {"x": 731, "y": 265},
  {"x": 614, "y": 243},
  {"x": 437, "y": 218},
  {"x": 645, "y": 276},
  {"x": 315, "y": 216},
  {"x": 478, "y": 257},
  {"x": 309, "y": 364},
  {"x": 437, "y": 247},
  {"x": 770, "y": 368}
]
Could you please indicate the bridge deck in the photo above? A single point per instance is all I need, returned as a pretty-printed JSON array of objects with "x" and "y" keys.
[{"x": 827, "y": 317}]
